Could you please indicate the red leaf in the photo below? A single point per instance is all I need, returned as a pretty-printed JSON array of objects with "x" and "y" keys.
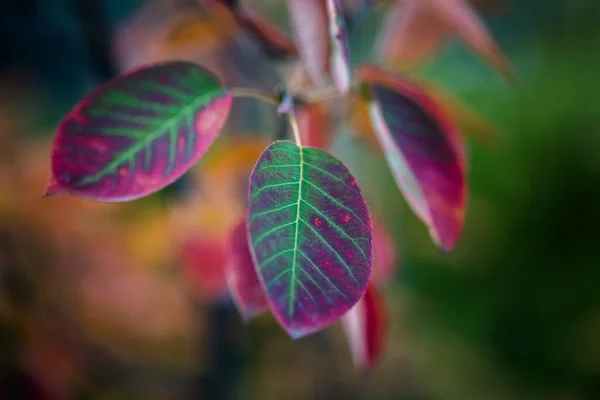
[
  {"x": 384, "y": 255},
  {"x": 242, "y": 281},
  {"x": 204, "y": 260},
  {"x": 314, "y": 125},
  {"x": 366, "y": 326}
]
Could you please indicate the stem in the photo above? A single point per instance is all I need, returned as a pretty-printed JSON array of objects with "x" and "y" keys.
[
  {"x": 295, "y": 128},
  {"x": 226, "y": 355},
  {"x": 255, "y": 94}
]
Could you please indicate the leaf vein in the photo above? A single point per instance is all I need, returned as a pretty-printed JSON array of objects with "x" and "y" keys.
[
  {"x": 332, "y": 176},
  {"x": 267, "y": 212},
  {"x": 336, "y": 201},
  {"x": 278, "y": 166},
  {"x": 334, "y": 251},
  {"x": 322, "y": 275},
  {"x": 271, "y": 231},
  {"x": 340, "y": 230},
  {"x": 272, "y": 186}
]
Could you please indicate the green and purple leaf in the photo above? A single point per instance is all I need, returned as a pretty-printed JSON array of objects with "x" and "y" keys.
[
  {"x": 243, "y": 284},
  {"x": 310, "y": 236},
  {"x": 423, "y": 150},
  {"x": 339, "y": 63},
  {"x": 138, "y": 133},
  {"x": 366, "y": 326}
]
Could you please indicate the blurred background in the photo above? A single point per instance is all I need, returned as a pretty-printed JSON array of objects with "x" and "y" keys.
[{"x": 128, "y": 301}]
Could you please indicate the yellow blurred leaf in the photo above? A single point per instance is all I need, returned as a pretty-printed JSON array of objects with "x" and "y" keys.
[
  {"x": 198, "y": 29},
  {"x": 190, "y": 36},
  {"x": 222, "y": 180},
  {"x": 201, "y": 224},
  {"x": 359, "y": 119},
  {"x": 148, "y": 238}
]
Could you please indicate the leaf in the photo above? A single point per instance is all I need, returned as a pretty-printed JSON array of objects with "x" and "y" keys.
[
  {"x": 366, "y": 327},
  {"x": 472, "y": 124},
  {"x": 310, "y": 236},
  {"x": 162, "y": 32},
  {"x": 384, "y": 255},
  {"x": 339, "y": 66},
  {"x": 314, "y": 124},
  {"x": 273, "y": 41},
  {"x": 243, "y": 284},
  {"x": 423, "y": 151},
  {"x": 193, "y": 29},
  {"x": 414, "y": 31},
  {"x": 464, "y": 22},
  {"x": 310, "y": 25},
  {"x": 203, "y": 260},
  {"x": 322, "y": 40},
  {"x": 358, "y": 118},
  {"x": 138, "y": 133}
]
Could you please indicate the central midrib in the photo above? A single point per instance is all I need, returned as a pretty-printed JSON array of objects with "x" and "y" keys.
[
  {"x": 126, "y": 155},
  {"x": 294, "y": 261}
]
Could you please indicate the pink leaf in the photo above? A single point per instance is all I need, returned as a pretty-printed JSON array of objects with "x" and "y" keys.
[
  {"x": 242, "y": 281},
  {"x": 466, "y": 24},
  {"x": 322, "y": 41},
  {"x": 339, "y": 67},
  {"x": 310, "y": 24},
  {"x": 414, "y": 31},
  {"x": 204, "y": 261},
  {"x": 366, "y": 327}
]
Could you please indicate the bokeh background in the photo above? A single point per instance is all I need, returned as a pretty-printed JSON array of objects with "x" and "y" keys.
[{"x": 126, "y": 301}]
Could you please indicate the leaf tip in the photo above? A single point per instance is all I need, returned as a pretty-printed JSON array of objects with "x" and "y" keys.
[
  {"x": 53, "y": 189},
  {"x": 249, "y": 315},
  {"x": 296, "y": 334},
  {"x": 446, "y": 245}
]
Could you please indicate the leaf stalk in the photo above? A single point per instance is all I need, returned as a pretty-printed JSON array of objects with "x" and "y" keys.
[{"x": 255, "y": 94}]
